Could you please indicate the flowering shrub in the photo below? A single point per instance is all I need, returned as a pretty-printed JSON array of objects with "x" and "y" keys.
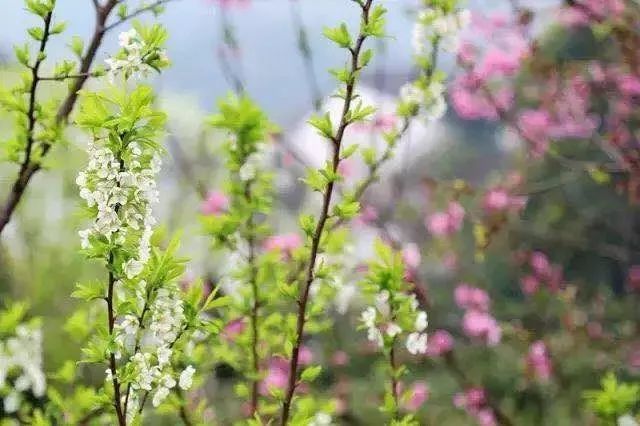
[{"x": 362, "y": 291}]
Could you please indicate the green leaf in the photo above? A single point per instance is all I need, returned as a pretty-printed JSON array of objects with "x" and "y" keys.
[
  {"x": 323, "y": 124},
  {"x": 339, "y": 35},
  {"x": 310, "y": 373},
  {"x": 36, "y": 33},
  {"x": 59, "y": 28}
]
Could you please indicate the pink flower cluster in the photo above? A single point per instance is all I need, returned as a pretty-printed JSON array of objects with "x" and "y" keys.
[
  {"x": 491, "y": 55},
  {"x": 542, "y": 272},
  {"x": 499, "y": 199},
  {"x": 538, "y": 361},
  {"x": 216, "y": 203},
  {"x": 411, "y": 258},
  {"x": 416, "y": 396},
  {"x": 278, "y": 371},
  {"x": 448, "y": 222},
  {"x": 440, "y": 343},
  {"x": 564, "y": 113},
  {"x": 587, "y": 12},
  {"x": 283, "y": 243},
  {"x": 474, "y": 402},
  {"x": 232, "y": 4},
  {"x": 477, "y": 322}
]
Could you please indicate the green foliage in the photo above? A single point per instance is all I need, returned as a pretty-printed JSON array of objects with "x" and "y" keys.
[{"x": 614, "y": 399}]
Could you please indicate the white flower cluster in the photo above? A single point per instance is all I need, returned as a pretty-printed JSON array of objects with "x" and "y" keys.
[
  {"x": 122, "y": 193},
  {"x": 416, "y": 340},
  {"x": 152, "y": 361},
  {"x": 131, "y": 61},
  {"x": 21, "y": 359},
  {"x": 432, "y": 24},
  {"x": 321, "y": 419},
  {"x": 430, "y": 100}
]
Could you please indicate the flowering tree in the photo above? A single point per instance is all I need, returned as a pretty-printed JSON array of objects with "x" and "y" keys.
[{"x": 370, "y": 309}]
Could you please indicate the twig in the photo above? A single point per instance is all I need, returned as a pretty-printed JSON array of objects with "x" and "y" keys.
[{"x": 315, "y": 243}]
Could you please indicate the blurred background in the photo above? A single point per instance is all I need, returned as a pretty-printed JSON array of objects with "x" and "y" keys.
[{"x": 275, "y": 51}]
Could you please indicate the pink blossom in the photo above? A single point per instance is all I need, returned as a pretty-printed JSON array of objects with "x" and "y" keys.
[
  {"x": 411, "y": 256},
  {"x": 277, "y": 375},
  {"x": 481, "y": 325},
  {"x": 368, "y": 215},
  {"x": 418, "y": 394},
  {"x": 496, "y": 199},
  {"x": 340, "y": 358},
  {"x": 472, "y": 399},
  {"x": 215, "y": 203},
  {"x": 485, "y": 417},
  {"x": 285, "y": 243},
  {"x": 534, "y": 127},
  {"x": 468, "y": 297},
  {"x": 305, "y": 356},
  {"x": 448, "y": 222},
  {"x": 497, "y": 62},
  {"x": 629, "y": 85},
  {"x": 440, "y": 343},
  {"x": 233, "y": 329},
  {"x": 346, "y": 168},
  {"x": 538, "y": 360},
  {"x": 529, "y": 284},
  {"x": 438, "y": 224},
  {"x": 540, "y": 264}
]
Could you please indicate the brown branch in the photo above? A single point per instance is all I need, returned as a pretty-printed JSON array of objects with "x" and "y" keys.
[
  {"x": 315, "y": 243},
  {"x": 135, "y": 13},
  {"x": 112, "y": 357},
  {"x": 30, "y": 168}
]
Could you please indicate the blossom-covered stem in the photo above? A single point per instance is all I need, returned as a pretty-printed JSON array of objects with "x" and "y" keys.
[
  {"x": 112, "y": 357},
  {"x": 324, "y": 215}
]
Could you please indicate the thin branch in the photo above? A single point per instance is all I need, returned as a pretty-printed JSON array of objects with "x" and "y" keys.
[
  {"x": 320, "y": 227},
  {"x": 137, "y": 12}
]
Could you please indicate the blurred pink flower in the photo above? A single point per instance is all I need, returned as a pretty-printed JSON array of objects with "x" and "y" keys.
[
  {"x": 448, "y": 222},
  {"x": 411, "y": 256},
  {"x": 540, "y": 264},
  {"x": 368, "y": 215},
  {"x": 215, "y": 203},
  {"x": 285, "y": 243},
  {"x": 468, "y": 297},
  {"x": 481, "y": 325},
  {"x": 340, "y": 358},
  {"x": 418, "y": 394},
  {"x": 529, "y": 284},
  {"x": 534, "y": 126},
  {"x": 346, "y": 168},
  {"x": 277, "y": 375},
  {"x": 538, "y": 360},
  {"x": 233, "y": 329},
  {"x": 485, "y": 417},
  {"x": 305, "y": 356},
  {"x": 440, "y": 343}
]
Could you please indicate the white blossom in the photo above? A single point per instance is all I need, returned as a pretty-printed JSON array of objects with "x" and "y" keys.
[
  {"x": 421, "y": 321},
  {"x": 417, "y": 343},
  {"x": 160, "y": 395},
  {"x": 186, "y": 378},
  {"x": 393, "y": 329},
  {"x": 321, "y": 419}
]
